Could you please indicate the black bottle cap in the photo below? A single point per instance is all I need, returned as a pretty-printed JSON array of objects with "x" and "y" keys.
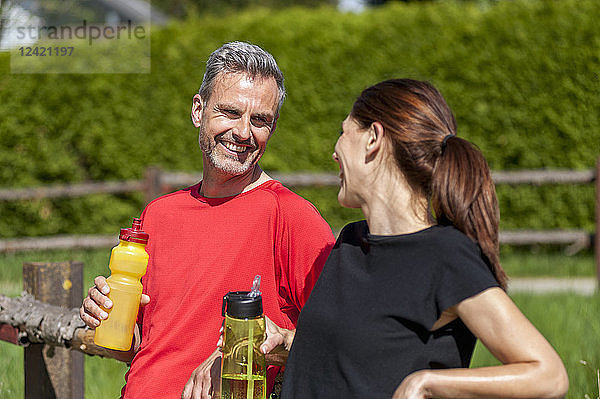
[{"x": 240, "y": 305}]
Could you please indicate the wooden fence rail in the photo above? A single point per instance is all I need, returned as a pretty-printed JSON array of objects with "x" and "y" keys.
[
  {"x": 71, "y": 190},
  {"x": 157, "y": 182}
]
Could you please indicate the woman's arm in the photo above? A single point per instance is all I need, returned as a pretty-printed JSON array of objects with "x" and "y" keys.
[{"x": 531, "y": 368}]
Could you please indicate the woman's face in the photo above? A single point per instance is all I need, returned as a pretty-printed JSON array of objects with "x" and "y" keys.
[{"x": 350, "y": 154}]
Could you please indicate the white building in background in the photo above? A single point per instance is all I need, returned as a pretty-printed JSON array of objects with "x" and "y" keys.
[
  {"x": 351, "y": 5},
  {"x": 12, "y": 17}
]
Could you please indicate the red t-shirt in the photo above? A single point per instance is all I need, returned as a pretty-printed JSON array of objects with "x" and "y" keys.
[{"x": 201, "y": 248}]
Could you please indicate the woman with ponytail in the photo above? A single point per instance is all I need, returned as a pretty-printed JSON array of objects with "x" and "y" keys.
[{"x": 405, "y": 293}]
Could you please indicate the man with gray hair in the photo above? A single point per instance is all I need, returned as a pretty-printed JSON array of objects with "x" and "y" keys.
[{"x": 215, "y": 236}]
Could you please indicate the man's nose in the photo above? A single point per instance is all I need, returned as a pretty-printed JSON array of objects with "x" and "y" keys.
[{"x": 242, "y": 131}]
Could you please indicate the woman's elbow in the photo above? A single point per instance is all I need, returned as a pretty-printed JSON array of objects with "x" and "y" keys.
[
  {"x": 556, "y": 381},
  {"x": 562, "y": 384}
]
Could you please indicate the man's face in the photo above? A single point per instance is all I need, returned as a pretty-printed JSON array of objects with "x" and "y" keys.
[{"x": 236, "y": 122}]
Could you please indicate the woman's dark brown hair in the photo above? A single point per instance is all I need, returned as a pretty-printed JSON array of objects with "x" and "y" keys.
[{"x": 447, "y": 170}]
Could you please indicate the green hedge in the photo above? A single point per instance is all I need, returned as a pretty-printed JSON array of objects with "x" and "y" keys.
[{"x": 523, "y": 78}]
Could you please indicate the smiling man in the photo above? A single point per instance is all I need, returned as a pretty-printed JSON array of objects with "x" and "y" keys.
[
  {"x": 236, "y": 120},
  {"x": 215, "y": 236}
]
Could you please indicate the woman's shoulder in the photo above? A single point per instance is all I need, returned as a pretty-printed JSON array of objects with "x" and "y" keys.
[
  {"x": 459, "y": 253},
  {"x": 447, "y": 246},
  {"x": 449, "y": 237}
]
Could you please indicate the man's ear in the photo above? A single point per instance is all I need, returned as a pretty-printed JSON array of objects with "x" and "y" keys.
[
  {"x": 197, "y": 106},
  {"x": 374, "y": 140}
]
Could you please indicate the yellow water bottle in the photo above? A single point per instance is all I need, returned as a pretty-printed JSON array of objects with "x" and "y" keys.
[{"x": 128, "y": 262}]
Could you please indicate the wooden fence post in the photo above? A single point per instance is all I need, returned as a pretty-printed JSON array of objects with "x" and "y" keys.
[
  {"x": 597, "y": 233},
  {"x": 152, "y": 183},
  {"x": 54, "y": 372}
]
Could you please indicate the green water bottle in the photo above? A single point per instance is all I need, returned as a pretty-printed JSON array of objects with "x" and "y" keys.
[{"x": 243, "y": 369}]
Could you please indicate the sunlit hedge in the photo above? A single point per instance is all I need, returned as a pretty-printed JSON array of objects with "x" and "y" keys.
[{"x": 523, "y": 78}]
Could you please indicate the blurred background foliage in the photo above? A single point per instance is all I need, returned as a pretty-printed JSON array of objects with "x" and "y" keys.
[
  {"x": 523, "y": 78},
  {"x": 183, "y": 8}
]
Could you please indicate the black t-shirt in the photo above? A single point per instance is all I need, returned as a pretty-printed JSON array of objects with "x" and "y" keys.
[{"x": 366, "y": 325}]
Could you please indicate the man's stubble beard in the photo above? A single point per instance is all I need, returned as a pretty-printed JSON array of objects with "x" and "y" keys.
[{"x": 222, "y": 163}]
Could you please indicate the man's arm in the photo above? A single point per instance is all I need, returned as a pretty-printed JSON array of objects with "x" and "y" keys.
[{"x": 304, "y": 241}]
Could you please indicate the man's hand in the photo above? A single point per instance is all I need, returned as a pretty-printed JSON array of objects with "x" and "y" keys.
[
  {"x": 276, "y": 336},
  {"x": 91, "y": 312},
  {"x": 204, "y": 382}
]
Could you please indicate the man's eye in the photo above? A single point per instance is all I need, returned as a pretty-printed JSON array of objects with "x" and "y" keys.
[
  {"x": 231, "y": 113},
  {"x": 260, "y": 122}
]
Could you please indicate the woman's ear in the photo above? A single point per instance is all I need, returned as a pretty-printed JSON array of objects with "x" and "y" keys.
[
  {"x": 197, "y": 106},
  {"x": 374, "y": 141}
]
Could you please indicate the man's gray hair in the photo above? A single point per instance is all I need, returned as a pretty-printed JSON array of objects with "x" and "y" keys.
[{"x": 241, "y": 57}]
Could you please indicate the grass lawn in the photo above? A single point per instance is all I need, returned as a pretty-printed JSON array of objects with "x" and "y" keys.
[
  {"x": 570, "y": 322},
  {"x": 572, "y": 325},
  {"x": 520, "y": 262}
]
